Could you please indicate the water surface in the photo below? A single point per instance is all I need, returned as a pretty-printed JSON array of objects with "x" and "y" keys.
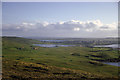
[
  {"x": 113, "y": 63},
  {"x": 52, "y": 45},
  {"x": 52, "y": 40},
  {"x": 112, "y": 46}
]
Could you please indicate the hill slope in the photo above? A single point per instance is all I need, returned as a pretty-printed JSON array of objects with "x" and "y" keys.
[{"x": 22, "y": 60}]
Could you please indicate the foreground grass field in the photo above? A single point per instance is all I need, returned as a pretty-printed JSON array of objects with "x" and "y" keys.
[{"x": 23, "y": 60}]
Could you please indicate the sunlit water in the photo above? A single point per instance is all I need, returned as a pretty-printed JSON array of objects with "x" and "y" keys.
[
  {"x": 112, "y": 46},
  {"x": 52, "y": 40},
  {"x": 52, "y": 45},
  {"x": 113, "y": 63}
]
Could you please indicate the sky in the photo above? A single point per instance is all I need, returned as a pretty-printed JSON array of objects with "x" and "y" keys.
[{"x": 60, "y": 19}]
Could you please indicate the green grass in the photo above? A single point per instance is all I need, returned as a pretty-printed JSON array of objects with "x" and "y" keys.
[{"x": 78, "y": 59}]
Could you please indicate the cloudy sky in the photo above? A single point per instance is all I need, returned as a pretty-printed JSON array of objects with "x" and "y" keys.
[{"x": 60, "y": 19}]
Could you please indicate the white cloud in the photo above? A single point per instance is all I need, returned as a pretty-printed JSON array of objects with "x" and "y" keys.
[
  {"x": 76, "y": 29},
  {"x": 61, "y": 22},
  {"x": 83, "y": 27},
  {"x": 89, "y": 30}
]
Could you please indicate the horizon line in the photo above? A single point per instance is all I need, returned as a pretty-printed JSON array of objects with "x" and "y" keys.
[
  {"x": 59, "y": 1},
  {"x": 57, "y": 37}
]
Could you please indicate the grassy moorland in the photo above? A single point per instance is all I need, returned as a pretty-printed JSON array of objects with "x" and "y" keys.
[{"x": 22, "y": 60}]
